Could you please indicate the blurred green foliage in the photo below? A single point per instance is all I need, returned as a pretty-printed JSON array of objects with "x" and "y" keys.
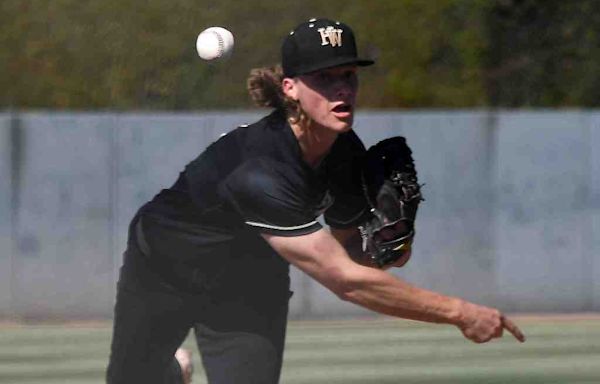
[
  {"x": 543, "y": 53},
  {"x": 123, "y": 55}
]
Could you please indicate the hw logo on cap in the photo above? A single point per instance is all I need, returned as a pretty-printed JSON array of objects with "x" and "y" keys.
[
  {"x": 307, "y": 48},
  {"x": 331, "y": 36}
]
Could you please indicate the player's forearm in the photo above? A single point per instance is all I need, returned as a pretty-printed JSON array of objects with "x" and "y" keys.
[
  {"x": 382, "y": 292},
  {"x": 323, "y": 258}
]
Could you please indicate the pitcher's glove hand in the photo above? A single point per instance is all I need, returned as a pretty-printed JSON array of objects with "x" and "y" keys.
[{"x": 393, "y": 192}]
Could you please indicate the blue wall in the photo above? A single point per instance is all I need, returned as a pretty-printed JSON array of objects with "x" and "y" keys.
[{"x": 511, "y": 216}]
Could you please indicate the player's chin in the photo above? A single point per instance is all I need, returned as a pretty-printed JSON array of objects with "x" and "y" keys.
[{"x": 342, "y": 124}]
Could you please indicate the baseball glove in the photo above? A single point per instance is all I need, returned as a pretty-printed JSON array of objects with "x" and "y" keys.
[{"x": 393, "y": 192}]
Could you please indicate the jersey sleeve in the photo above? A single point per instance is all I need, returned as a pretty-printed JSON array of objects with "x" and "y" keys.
[
  {"x": 270, "y": 198},
  {"x": 350, "y": 207}
]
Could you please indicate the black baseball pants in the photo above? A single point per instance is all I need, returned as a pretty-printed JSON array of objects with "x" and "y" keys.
[{"x": 240, "y": 333}]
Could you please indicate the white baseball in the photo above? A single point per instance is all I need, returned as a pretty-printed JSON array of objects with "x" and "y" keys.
[{"x": 214, "y": 43}]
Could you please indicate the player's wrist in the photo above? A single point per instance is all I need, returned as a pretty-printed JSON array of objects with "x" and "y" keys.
[{"x": 456, "y": 312}]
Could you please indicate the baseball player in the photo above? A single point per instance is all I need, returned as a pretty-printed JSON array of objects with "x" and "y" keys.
[{"x": 212, "y": 252}]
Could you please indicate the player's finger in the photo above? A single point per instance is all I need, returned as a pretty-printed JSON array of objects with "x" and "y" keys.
[
  {"x": 512, "y": 328},
  {"x": 499, "y": 332}
]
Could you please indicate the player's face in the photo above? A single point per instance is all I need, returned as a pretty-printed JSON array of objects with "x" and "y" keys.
[{"x": 328, "y": 96}]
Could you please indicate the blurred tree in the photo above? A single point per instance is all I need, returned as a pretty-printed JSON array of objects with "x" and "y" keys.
[
  {"x": 430, "y": 52},
  {"x": 111, "y": 54},
  {"x": 543, "y": 53},
  {"x": 80, "y": 54}
]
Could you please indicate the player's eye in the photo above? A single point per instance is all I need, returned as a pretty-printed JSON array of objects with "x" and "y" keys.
[
  {"x": 349, "y": 75},
  {"x": 325, "y": 77}
]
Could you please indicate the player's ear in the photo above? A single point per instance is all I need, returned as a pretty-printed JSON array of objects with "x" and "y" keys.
[{"x": 290, "y": 88}]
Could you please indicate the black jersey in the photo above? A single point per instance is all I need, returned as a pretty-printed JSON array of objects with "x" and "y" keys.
[{"x": 253, "y": 180}]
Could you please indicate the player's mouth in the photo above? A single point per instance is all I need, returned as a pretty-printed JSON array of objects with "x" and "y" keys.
[{"x": 342, "y": 110}]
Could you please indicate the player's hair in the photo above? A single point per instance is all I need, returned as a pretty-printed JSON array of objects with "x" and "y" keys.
[{"x": 264, "y": 86}]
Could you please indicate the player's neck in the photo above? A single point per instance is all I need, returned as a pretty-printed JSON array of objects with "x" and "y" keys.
[{"x": 314, "y": 142}]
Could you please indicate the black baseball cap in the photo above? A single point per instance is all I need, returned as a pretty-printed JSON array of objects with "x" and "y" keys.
[{"x": 319, "y": 44}]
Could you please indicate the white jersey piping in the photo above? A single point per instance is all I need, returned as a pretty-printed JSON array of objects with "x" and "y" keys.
[{"x": 262, "y": 225}]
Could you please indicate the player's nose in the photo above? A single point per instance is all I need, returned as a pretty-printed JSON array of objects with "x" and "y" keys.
[{"x": 343, "y": 90}]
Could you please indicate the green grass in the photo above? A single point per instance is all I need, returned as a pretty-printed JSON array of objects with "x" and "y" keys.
[{"x": 353, "y": 351}]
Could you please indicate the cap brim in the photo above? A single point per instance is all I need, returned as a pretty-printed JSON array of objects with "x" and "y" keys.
[{"x": 332, "y": 63}]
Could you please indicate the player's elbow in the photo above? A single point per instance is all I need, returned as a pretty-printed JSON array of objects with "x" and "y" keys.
[{"x": 344, "y": 283}]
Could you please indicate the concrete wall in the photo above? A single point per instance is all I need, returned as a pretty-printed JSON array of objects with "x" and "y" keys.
[
  {"x": 62, "y": 226},
  {"x": 511, "y": 216},
  {"x": 5, "y": 215},
  {"x": 543, "y": 232}
]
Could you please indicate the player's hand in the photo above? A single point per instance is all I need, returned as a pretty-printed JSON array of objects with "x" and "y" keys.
[{"x": 481, "y": 324}]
